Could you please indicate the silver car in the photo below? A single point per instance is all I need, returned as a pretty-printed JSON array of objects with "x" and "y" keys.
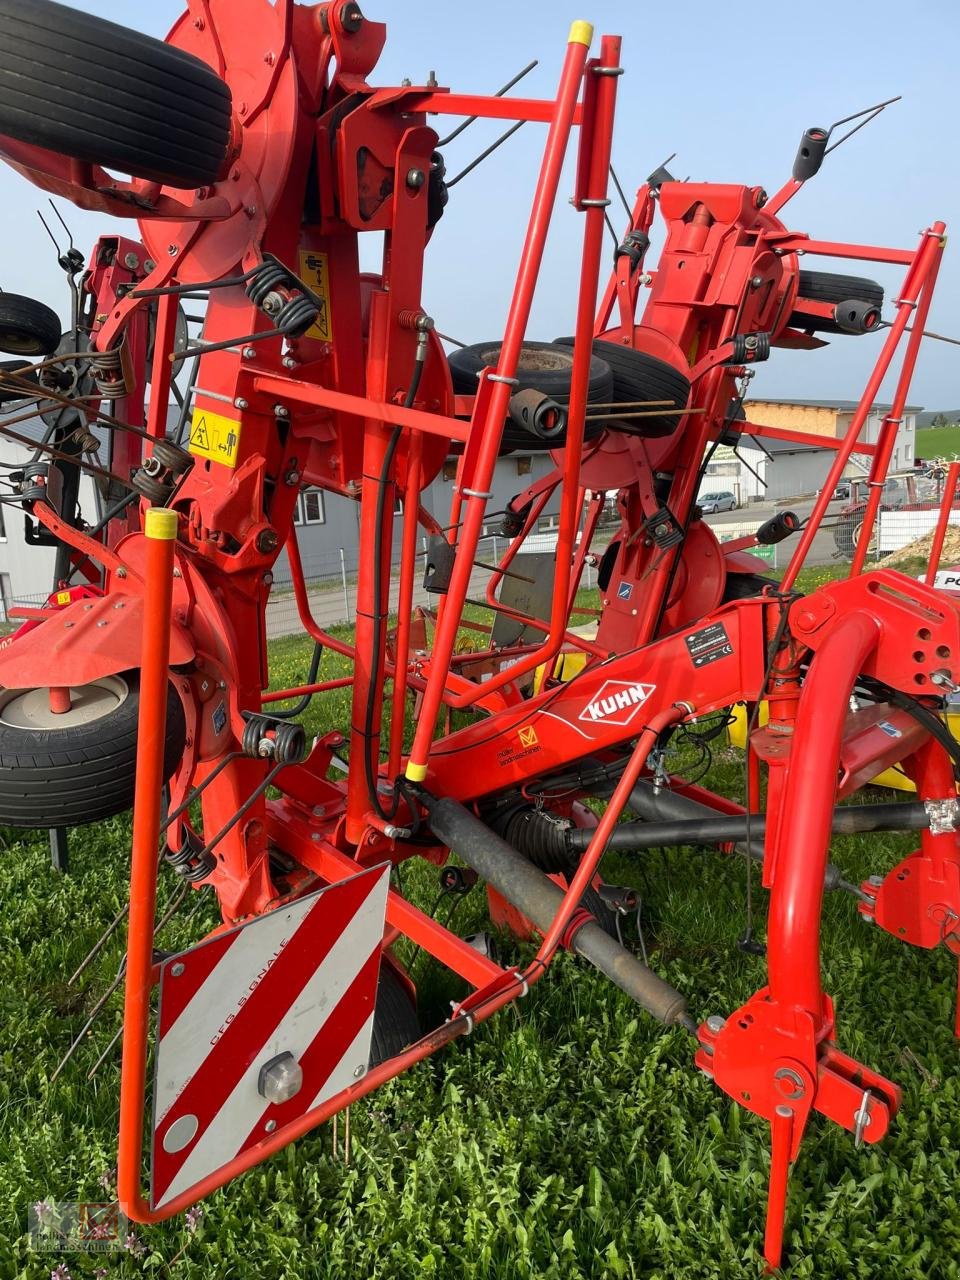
[{"x": 711, "y": 503}]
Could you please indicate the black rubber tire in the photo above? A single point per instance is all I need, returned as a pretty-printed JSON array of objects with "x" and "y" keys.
[
  {"x": 832, "y": 286},
  {"x": 843, "y": 530},
  {"x": 9, "y": 394},
  {"x": 99, "y": 92},
  {"x": 743, "y": 586},
  {"x": 544, "y": 366},
  {"x": 82, "y": 774},
  {"x": 28, "y": 327},
  {"x": 395, "y": 1022},
  {"x": 637, "y": 376}
]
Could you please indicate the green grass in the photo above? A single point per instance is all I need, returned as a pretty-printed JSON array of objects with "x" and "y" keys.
[
  {"x": 938, "y": 442},
  {"x": 568, "y": 1137}
]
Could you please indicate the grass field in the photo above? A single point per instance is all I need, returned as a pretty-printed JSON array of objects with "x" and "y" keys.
[
  {"x": 938, "y": 442},
  {"x": 568, "y": 1137}
]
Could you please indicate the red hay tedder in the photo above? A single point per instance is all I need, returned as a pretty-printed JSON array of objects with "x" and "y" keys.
[{"x": 258, "y": 153}]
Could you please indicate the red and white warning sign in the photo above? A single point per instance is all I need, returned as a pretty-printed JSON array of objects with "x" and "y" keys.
[{"x": 260, "y": 1025}]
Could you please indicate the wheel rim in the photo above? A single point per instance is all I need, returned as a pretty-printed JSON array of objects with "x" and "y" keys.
[
  {"x": 872, "y": 546},
  {"x": 19, "y": 343},
  {"x": 30, "y": 708}
]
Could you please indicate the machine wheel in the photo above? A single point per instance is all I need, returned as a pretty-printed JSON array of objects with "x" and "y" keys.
[
  {"x": 857, "y": 530},
  {"x": 8, "y": 393},
  {"x": 544, "y": 366},
  {"x": 78, "y": 767},
  {"x": 27, "y": 327},
  {"x": 637, "y": 376},
  {"x": 101, "y": 93},
  {"x": 831, "y": 286},
  {"x": 395, "y": 1022}
]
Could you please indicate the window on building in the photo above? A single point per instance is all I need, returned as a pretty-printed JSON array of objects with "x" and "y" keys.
[
  {"x": 313, "y": 512},
  {"x": 524, "y": 466},
  {"x": 398, "y": 507},
  {"x": 450, "y": 469}
]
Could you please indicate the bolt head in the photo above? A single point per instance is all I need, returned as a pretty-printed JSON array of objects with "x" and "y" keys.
[
  {"x": 715, "y": 1023},
  {"x": 249, "y": 353},
  {"x": 415, "y": 179},
  {"x": 177, "y": 970},
  {"x": 173, "y": 250},
  {"x": 359, "y": 1071},
  {"x": 270, "y": 1126},
  {"x": 240, "y": 403}
]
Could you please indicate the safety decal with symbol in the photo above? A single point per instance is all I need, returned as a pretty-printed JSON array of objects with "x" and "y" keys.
[
  {"x": 215, "y": 437},
  {"x": 315, "y": 274}
]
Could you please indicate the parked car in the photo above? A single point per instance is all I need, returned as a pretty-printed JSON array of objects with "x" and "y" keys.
[{"x": 711, "y": 503}]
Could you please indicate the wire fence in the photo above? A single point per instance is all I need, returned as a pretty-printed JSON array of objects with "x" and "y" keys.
[{"x": 897, "y": 529}]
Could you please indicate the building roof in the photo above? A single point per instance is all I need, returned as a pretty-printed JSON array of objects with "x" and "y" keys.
[{"x": 843, "y": 406}]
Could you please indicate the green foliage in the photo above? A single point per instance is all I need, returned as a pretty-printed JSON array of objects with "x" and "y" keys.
[
  {"x": 941, "y": 441},
  {"x": 568, "y": 1138}
]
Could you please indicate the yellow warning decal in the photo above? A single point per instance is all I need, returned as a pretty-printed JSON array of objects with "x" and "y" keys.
[
  {"x": 64, "y": 597},
  {"x": 215, "y": 437},
  {"x": 315, "y": 274}
]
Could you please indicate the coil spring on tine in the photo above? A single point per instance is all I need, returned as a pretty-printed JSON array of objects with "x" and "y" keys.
[
  {"x": 292, "y": 315},
  {"x": 107, "y": 370},
  {"x": 285, "y": 741},
  {"x": 296, "y": 316},
  {"x": 187, "y": 862},
  {"x": 750, "y": 347},
  {"x": 269, "y": 275}
]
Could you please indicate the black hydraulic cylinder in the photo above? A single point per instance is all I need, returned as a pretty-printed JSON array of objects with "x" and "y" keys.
[{"x": 539, "y": 898}]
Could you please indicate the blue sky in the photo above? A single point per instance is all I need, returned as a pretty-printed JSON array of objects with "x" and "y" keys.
[{"x": 729, "y": 88}]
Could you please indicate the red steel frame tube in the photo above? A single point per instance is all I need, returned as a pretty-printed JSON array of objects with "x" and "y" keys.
[
  {"x": 408, "y": 544},
  {"x": 492, "y": 426},
  {"x": 930, "y": 246},
  {"x": 891, "y": 426},
  {"x": 160, "y": 528},
  {"x": 598, "y": 142},
  {"x": 943, "y": 519},
  {"x": 796, "y": 898}
]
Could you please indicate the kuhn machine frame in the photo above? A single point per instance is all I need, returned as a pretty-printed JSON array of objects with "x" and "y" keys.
[{"x": 311, "y": 373}]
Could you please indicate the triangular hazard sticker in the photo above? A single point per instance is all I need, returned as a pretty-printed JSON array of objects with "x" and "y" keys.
[{"x": 199, "y": 436}]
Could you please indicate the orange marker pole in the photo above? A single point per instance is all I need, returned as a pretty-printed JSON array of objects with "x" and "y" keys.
[{"x": 160, "y": 528}]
